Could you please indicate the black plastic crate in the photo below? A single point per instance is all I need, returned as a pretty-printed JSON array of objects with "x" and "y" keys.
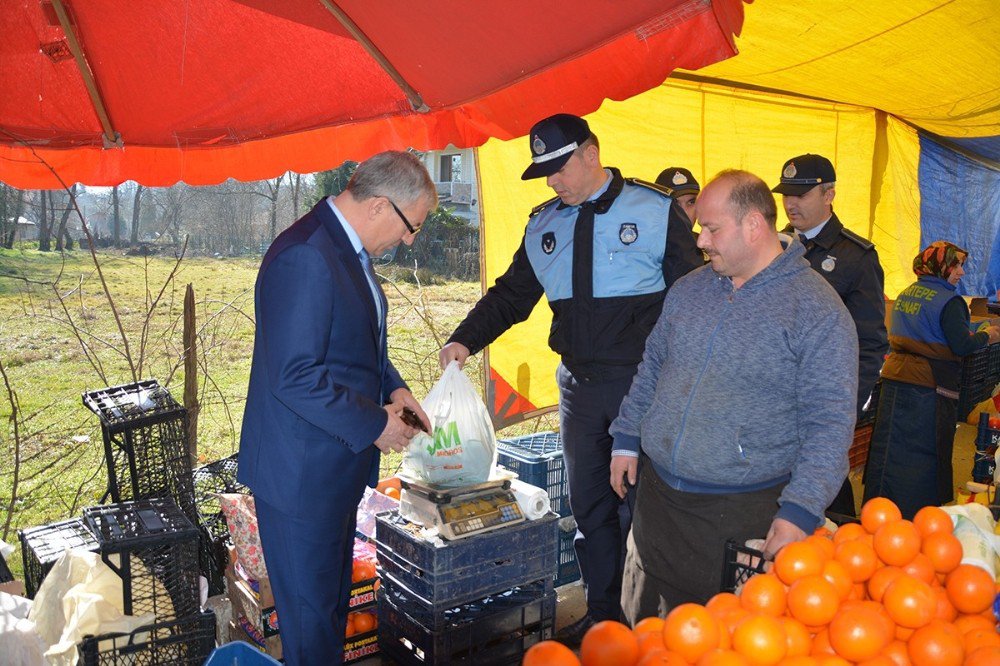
[
  {"x": 145, "y": 443},
  {"x": 445, "y": 617},
  {"x": 538, "y": 460},
  {"x": 971, "y": 395},
  {"x": 215, "y": 477},
  {"x": 468, "y": 569},
  {"x": 984, "y": 461},
  {"x": 569, "y": 569},
  {"x": 186, "y": 642},
  {"x": 42, "y": 546},
  {"x": 739, "y": 565},
  {"x": 153, "y": 547},
  {"x": 5, "y": 574},
  {"x": 500, "y": 637}
]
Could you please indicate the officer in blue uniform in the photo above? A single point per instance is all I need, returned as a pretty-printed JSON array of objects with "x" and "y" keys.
[
  {"x": 604, "y": 252},
  {"x": 849, "y": 263},
  {"x": 682, "y": 186}
]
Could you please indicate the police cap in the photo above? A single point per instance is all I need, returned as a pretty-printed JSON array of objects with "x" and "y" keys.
[
  {"x": 679, "y": 180},
  {"x": 801, "y": 174},
  {"x": 553, "y": 141}
]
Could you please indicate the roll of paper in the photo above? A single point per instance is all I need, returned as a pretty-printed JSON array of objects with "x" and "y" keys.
[{"x": 534, "y": 502}]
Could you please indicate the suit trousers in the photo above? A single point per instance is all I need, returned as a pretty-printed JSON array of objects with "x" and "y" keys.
[
  {"x": 587, "y": 406},
  {"x": 309, "y": 566}
]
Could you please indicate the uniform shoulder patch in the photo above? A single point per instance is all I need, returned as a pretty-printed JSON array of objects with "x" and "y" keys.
[
  {"x": 656, "y": 187},
  {"x": 542, "y": 206},
  {"x": 856, "y": 239}
]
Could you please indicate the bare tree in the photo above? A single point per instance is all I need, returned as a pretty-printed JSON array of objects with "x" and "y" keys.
[
  {"x": 44, "y": 226},
  {"x": 136, "y": 201},
  {"x": 11, "y": 208},
  {"x": 273, "y": 188},
  {"x": 116, "y": 218},
  {"x": 63, "y": 239},
  {"x": 296, "y": 190}
]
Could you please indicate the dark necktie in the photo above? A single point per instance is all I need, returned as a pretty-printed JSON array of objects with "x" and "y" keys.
[
  {"x": 806, "y": 241},
  {"x": 381, "y": 304},
  {"x": 583, "y": 282}
]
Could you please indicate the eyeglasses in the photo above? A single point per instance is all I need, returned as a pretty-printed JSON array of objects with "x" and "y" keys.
[{"x": 409, "y": 227}]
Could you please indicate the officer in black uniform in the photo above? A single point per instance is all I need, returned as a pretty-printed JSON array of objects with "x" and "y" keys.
[
  {"x": 849, "y": 263},
  {"x": 682, "y": 186},
  {"x": 604, "y": 251}
]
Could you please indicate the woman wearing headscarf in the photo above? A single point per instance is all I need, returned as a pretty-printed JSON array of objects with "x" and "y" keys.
[{"x": 910, "y": 457}]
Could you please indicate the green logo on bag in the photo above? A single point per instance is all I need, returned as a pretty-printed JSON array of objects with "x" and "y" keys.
[{"x": 445, "y": 438}]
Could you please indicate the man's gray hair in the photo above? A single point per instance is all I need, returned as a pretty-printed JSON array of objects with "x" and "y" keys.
[
  {"x": 826, "y": 187},
  {"x": 750, "y": 193},
  {"x": 395, "y": 174}
]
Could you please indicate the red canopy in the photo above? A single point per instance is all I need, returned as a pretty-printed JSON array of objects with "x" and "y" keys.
[{"x": 104, "y": 91}]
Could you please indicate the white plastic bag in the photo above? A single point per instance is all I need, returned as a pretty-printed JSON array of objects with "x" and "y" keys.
[{"x": 462, "y": 449}]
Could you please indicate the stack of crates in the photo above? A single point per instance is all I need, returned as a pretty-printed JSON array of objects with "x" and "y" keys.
[
  {"x": 42, "y": 546},
  {"x": 484, "y": 599},
  {"x": 538, "y": 460},
  {"x": 145, "y": 443},
  {"x": 980, "y": 375},
  {"x": 210, "y": 479},
  {"x": 984, "y": 461},
  {"x": 153, "y": 548}
]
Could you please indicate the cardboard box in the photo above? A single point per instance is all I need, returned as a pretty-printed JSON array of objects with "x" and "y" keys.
[
  {"x": 240, "y": 630},
  {"x": 260, "y": 613}
]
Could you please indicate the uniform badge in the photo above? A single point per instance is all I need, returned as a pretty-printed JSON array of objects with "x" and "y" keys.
[
  {"x": 679, "y": 178},
  {"x": 829, "y": 264},
  {"x": 789, "y": 171},
  {"x": 538, "y": 145},
  {"x": 628, "y": 233},
  {"x": 548, "y": 242}
]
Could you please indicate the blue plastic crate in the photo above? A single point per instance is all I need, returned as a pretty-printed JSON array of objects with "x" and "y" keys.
[
  {"x": 569, "y": 569},
  {"x": 468, "y": 569},
  {"x": 239, "y": 653},
  {"x": 538, "y": 459},
  {"x": 499, "y": 637}
]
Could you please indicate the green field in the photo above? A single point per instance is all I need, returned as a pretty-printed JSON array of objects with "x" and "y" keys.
[{"x": 59, "y": 338}]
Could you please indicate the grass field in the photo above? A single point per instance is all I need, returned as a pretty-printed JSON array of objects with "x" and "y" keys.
[{"x": 59, "y": 338}]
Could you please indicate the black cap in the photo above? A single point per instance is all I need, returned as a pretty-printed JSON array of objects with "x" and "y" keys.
[
  {"x": 679, "y": 180},
  {"x": 553, "y": 141},
  {"x": 801, "y": 174}
]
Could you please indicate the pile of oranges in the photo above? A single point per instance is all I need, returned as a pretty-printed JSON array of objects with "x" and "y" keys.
[
  {"x": 390, "y": 487},
  {"x": 882, "y": 592},
  {"x": 361, "y": 622}
]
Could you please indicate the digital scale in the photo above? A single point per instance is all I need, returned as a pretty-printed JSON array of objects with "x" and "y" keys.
[{"x": 462, "y": 512}]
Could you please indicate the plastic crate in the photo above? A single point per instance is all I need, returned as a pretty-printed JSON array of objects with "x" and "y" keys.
[
  {"x": 239, "y": 653},
  {"x": 538, "y": 459},
  {"x": 857, "y": 455},
  {"x": 145, "y": 443},
  {"x": 5, "y": 574},
  {"x": 569, "y": 569},
  {"x": 984, "y": 461},
  {"x": 499, "y": 637},
  {"x": 186, "y": 642},
  {"x": 468, "y": 569},
  {"x": 739, "y": 564},
  {"x": 215, "y": 477},
  {"x": 42, "y": 546},
  {"x": 153, "y": 547},
  {"x": 971, "y": 395}
]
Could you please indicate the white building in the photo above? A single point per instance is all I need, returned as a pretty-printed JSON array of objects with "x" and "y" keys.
[{"x": 453, "y": 171}]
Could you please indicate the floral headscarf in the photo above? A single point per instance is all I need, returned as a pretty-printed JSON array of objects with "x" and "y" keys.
[{"x": 939, "y": 259}]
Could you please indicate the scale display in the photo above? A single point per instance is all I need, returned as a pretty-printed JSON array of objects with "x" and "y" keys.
[{"x": 461, "y": 512}]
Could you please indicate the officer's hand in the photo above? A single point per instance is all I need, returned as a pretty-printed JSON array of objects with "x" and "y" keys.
[
  {"x": 396, "y": 435},
  {"x": 453, "y": 351},
  {"x": 782, "y": 533},
  {"x": 994, "y": 333},
  {"x": 622, "y": 468}
]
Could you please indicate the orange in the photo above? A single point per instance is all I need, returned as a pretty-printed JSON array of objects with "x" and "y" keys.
[
  {"x": 350, "y": 630},
  {"x": 364, "y": 622},
  {"x": 970, "y": 589},
  {"x": 920, "y": 567},
  {"x": 944, "y": 609},
  {"x": 608, "y": 643},
  {"x": 848, "y": 532},
  {"x": 761, "y": 639},
  {"x": 858, "y": 633},
  {"x": 722, "y": 602},
  {"x": 984, "y": 656},
  {"x": 823, "y": 543},
  {"x": 800, "y": 661},
  {"x": 937, "y": 644},
  {"x": 392, "y": 492},
  {"x": 691, "y": 631},
  {"x": 877, "y": 660},
  {"x": 910, "y": 602},
  {"x": 362, "y": 570},
  {"x": 966, "y": 623},
  {"x": 662, "y": 658},
  {"x": 813, "y": 601},
  {"x": 730, "y": 618},
  {"x": 877, "y": 512},
  {"x": 797, "y": 560},
  {"x": 897, "y": 543},
  {"x": 980, "y": 637},
  {"x": 650, "y": 642},
  {"x": 858, "y": 558},
  {"x": 880, "y": 581},
  {"x": 837, "y": 574},
  {"x": 764, "y": 593},
  {"x": 549, "y": 653},
  {"x": 833, "y": 660},
  {"x": 883, "y": 615},
  {"x": 821, "y": 644},
  {"x": 648, "y": 625},
  {"x": 944, "y": 551},
  {"x": 723, "y": 658},
  {"x": 798, "y": 639},
  {"x": 896, "y": 651},
  {"x": 932, "y": 519}
]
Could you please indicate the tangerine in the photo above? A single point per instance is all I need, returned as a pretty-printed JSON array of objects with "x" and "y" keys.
[
  {"x": 650, "y": 642},
  {"x": 761, "y": 639},
  {"x": 691, "y": 631},
  {"x": 977, "y": 638},
  {"x": 984, "y": 656},
  {"x": 722, "y": 602},
  {"x": 848, "y": 532},
  {"x": 364, "y": 622},
  {"x": 608, "y": 643},
  {"x": 648, "y": 625},
  {"x": 970, "y": 589},
  {"x": 932, "y": 519},
  {"x": 799, "y": 641},
  {"x": 836, "y": 573},
  {"x": 877, "y": 512},
  {"x": 936, "y": 644},
  {"x": 896, "y": 651},
  {"x": 720, "y": 657},
  {"x": 944, "y": 550},
  {"x": 662, "y": 658},
  {"x": 881, "y": 580},
  {"x": 813, "y": 600},
  {"x": 858, "y": 558},
  {"x": 897, "y": 543},
  {"x": 764, "y": 593},
  {"x": 549, "y": 653},
  {"x": 910, "y": 602},
  {"x": 823, "y": 543},
  {"x": 797, "y": 560},
  {"x": 858, "y": 633},
  {"x": 920, "y": 567}
]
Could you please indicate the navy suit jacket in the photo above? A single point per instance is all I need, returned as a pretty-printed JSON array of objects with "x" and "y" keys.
[{"x": 319, "y": 377}]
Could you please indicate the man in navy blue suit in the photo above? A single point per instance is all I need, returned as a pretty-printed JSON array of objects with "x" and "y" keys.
[{"x": 324, "y": 400}]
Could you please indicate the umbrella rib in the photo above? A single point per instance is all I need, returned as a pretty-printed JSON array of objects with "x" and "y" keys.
[
  {"x": 111, "y": 137},
  {"x": 416, "y": 101}
]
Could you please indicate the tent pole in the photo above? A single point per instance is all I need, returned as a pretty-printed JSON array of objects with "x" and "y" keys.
[
  {"x": 111, "y": 137},
  {"x": 412, "y": 95}
]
